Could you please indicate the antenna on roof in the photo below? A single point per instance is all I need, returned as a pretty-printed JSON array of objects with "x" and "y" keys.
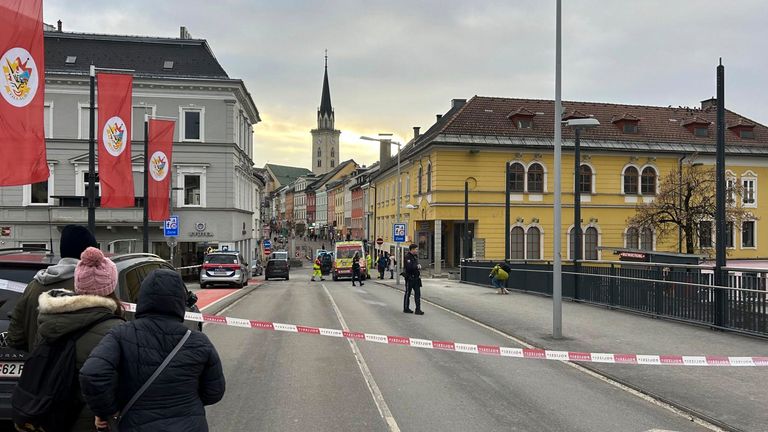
[
  {"x": 721, "y": 61},
  {"x": 326, "y": 58}
]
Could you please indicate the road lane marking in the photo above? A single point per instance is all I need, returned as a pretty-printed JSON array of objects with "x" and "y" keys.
[
  {"x": 378, "y": 397},
  {"x": 646, "y": 397}
]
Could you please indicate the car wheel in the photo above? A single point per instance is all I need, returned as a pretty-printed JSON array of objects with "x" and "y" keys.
[
  {"x": 203, "y": 286},
  {"x": 287, "y": 278},
  {"x": 335, "y": 278},
  {"x": 266, "y": 278}
]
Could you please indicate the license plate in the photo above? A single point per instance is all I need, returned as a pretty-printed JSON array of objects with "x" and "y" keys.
[
  {"x": 11, "y": 369},
  {"x": 221, "y": 272}
]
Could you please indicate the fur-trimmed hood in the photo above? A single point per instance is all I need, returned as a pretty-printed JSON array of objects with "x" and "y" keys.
[
  {"x": 59, "y": 301},
  {"x": 62, "y": 312}
]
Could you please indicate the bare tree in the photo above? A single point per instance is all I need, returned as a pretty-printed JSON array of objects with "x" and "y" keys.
[{"x": 683, "y": 200}]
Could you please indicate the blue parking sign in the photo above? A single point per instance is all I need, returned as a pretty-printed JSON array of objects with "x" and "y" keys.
[
  {"x": 398, "y": 232},
  {"x": 171, "y": 227}
]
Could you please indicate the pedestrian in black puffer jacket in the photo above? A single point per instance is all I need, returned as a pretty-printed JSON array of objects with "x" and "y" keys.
[{"x": 129, "y": 354}]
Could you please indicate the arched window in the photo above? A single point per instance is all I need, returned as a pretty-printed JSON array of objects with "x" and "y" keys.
[
  {"x": 319, "y": 163},
  {"x": 648, "y": 181},
  {"x": 333, "y": 152},
  {"x": 590, "y": 243},
  {"x": 429, "y": 177},
  {"x": 646, "y": 239},
  {"x": 631, "y": 180},
  {"x": 333, "y": 163},
  {"x": 319, "y": 152},
  {"x": 585, "y": 179},
  {"x": 533, "y": 243},
  {"x": 632, "y": 238},
  {"x": 516, "y": 177},
  {"x": 419, "y": 179},
  {"x": 518, "y": 243},
  {"x": 535, "y": 178}
]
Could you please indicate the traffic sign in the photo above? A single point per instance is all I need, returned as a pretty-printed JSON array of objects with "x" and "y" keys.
[
  {"x": 267, "y": 244},
  {"x": 171, "y": 227},
  {"x": 398, "y": 232},
  {"x": 379, "y": 241},
  {"x": 267, "y": 251}
]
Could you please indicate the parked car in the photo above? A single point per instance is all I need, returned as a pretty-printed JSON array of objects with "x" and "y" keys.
[
  {"x": 281, "y": 254},
  {"x": 277, "y": 267},
  {"x": 224, "y": 268},
  {"x": 256, "y": 268},
  {"x": 19, "y": 266}
]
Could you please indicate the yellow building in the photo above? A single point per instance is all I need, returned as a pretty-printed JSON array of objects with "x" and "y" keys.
[{"x": 622, "y": 161}]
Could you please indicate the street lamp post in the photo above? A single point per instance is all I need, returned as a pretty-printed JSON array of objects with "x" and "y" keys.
[
  {"x": 388, "y": 140},
  {"x": 557, "y": 269},
  {"x": 578, "y": 125}
]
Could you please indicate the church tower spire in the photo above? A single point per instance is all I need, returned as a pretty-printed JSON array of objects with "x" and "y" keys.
[{"x": 325, "y": 139}]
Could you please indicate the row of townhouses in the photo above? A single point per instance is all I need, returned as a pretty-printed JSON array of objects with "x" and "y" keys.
[
  {"x": 216, "y": 192},
  {"x": 624, "y": 162}
]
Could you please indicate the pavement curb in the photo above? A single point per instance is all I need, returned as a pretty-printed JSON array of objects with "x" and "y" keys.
[
  {"x": 228, "y": 301},
  {"x": 690, "y": 411}
]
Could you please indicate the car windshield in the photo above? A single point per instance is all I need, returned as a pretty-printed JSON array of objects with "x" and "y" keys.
[
  {"x": 221, "y": 259},
  {"x": 347, "y": 252}
]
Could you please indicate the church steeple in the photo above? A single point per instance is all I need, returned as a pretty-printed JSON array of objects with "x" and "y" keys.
[
  {"x": 325, "y": 115},
  {"x": 325, "y": 139}
]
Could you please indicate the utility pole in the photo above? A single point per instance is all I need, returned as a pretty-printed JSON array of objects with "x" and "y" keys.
[
  {"x": 92, "y": 154},
  {"x": 145, "y": 229},
  {"x": 557, "y": 267},
  {"x": 507, "y": 211},
  {"x": 577, "y": 235},
  {"x": 720, "y": 262}
]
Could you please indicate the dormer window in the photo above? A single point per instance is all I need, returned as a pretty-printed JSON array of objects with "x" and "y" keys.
[
  {"x": 627, "y": 123},
  {"x": 698, "y": 126},
  {"x": 743, "y": 129},
  {"x": 575, "y": 114},
  {"x": 70, "y": 60},
  {"x": 522, "y": 118}
]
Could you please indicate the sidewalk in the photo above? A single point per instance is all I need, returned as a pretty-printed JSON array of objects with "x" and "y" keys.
[{"x": 733, "y": 397}]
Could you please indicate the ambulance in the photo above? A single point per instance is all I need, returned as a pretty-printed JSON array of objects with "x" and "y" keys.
[{"x": 343, "y": 253}]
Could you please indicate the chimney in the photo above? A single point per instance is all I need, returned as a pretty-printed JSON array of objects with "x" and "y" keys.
[
  {"x": 439, "y": 116},
  {"x": 416, "y": 132},
  {"x": 184, "y": 33},
  {"x": 458, "y": 103},
  {"x": 709, "y": 103},
  {"x": 58, "y": 26},
  {"x": 385, "y": 153}
]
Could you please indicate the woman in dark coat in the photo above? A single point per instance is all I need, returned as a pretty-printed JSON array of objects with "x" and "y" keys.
[{"x": 130, "y": 354}]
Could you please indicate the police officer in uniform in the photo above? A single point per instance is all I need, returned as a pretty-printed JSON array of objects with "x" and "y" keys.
[{"x": 412, "y": 280}]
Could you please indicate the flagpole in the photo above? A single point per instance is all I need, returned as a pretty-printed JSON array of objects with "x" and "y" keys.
[
  {"x": 146, "y": 183},
  {"x": 92, "y": 155}
]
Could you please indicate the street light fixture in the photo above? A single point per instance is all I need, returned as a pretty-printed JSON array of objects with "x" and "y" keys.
[
  {"x": 386, "y": 139},
  {"x": 578, "y": 125}
]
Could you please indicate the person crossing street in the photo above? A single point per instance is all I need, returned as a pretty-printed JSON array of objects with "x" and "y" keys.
[
  {"x": 412, "y": 280},
  {"x": 316, "y": 270}
]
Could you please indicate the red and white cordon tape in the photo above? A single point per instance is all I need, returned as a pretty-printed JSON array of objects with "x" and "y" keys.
[{"x": 491, "y": 350}]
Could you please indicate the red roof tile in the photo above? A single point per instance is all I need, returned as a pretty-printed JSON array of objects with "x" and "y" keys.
[{"x": 488, "y": 116}]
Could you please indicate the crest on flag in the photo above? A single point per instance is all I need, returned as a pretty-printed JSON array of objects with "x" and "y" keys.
[
  {"x": 19, "y": 78},
  {"x": 158, "y": 166},
  {"x": 115, "y": 135}
]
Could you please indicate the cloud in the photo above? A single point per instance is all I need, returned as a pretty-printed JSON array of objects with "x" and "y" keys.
[{"x": 396, "y": 64}]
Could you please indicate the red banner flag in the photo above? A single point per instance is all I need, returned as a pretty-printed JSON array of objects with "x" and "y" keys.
[
  {"x": 115, "y": 169},
  {"x": 22, "y": 135},
  {"x": 160, "y": 153}
]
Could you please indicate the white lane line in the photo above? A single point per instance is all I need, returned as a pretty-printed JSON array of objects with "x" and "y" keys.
[
  {"x": 648, "y": 398},
  {"x": 378, "y": 397}
]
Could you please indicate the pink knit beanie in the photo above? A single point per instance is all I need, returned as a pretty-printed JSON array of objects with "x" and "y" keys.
[{"x": 95, "y": 274}]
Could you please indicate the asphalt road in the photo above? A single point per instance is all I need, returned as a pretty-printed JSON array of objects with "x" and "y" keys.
[{"x": 294, "y": 382}]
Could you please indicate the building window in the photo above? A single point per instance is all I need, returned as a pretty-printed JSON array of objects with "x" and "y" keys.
[
  {"x": 748, "y": 234},
  {"x": 85, "y": 122},
  {"x": 701, "y": 131},
  {"x": 533, "y": 243},
  {"x": 648, "y": 185},
  {"x": 429, "y": 177},
  {"x": 632, "y": 238},
  {"x": 518, "y": 243},
  {"x": 747, "y": 134},
  {"x": 192, "y": 190},
  {"x": 730, "y": 197},
  {"x": 585, "y": 179},
  {"x": 96, "y": 184},
  {"x": 319, "y": 152},
  {"x": 631, "y": 180},
  {"x": 729, "y": 235},
  {"x": 535, "y": 178},
  {"x": 525, "y": 124},
  {"x": 419, "y": 178},
  {"x": 333, "y": 163},
  {"x": 646, "y": 239},
  {"x": 39, "y": 193},
  {"x": 48, "y": 119},
  {"x": 408, "y": 185},
  {"x": 748, "y": 196},
  {"x": 192, "y": 124},
  {"x": 590, "y": 243},
  {"x": 333, "y": 152},
  {"x": 705, "y": 234},
  {"x": 630, "y": 128},
  {"x": 516, "y": 177},
  {"x": 319, "y": 163}
]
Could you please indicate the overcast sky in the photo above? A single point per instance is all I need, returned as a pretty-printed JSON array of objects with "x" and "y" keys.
[{"x": 395, "y": 64}]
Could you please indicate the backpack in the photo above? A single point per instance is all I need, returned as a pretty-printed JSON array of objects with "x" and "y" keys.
[
  {"x": 504, "y": 266},
  {"x": 45, "y": 398}
]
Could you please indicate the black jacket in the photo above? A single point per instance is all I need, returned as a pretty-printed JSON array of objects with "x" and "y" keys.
[
  {"x": 412, "y": 266},
  {"x": 130, "y": 353}
]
